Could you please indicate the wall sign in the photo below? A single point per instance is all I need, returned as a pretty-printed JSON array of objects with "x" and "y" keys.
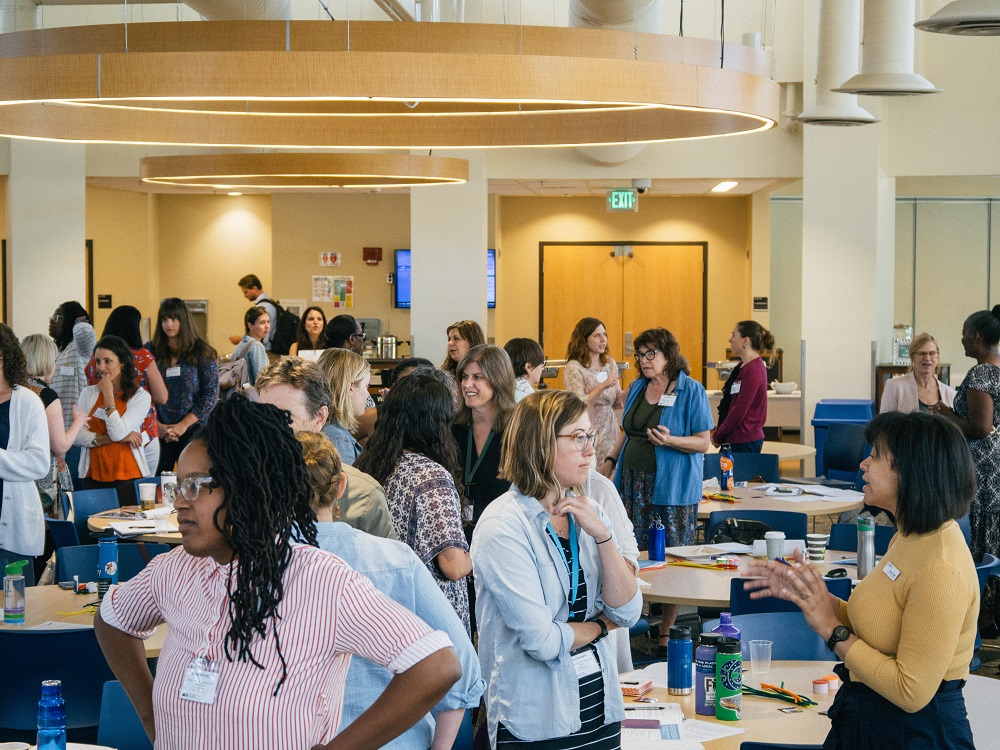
[{"x": 329, "y": 258}]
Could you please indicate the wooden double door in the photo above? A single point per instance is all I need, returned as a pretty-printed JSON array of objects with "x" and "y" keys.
[{"x": 630, "y": 287}]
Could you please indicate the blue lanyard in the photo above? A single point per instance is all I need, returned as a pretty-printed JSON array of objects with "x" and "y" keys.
[{"x": 574, "y": 552}]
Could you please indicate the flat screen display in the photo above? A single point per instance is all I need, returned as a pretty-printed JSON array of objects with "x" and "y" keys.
[{"x": 402, "y": 295}]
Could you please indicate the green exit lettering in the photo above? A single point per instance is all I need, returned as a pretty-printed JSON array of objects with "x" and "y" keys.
[{"x": 623, "y": 199}]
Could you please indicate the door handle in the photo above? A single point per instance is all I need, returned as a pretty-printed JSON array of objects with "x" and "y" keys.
[{"x": 628, "y": 344}]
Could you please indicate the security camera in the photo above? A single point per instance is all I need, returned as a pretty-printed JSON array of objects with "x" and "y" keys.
[{"x": 642, "y": 184}]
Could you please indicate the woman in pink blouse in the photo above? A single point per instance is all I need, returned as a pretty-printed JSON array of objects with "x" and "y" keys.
[{"x": 592, "y": 374}]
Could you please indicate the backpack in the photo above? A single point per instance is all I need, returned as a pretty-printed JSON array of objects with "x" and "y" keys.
[
  {"x": 286, "y": 329},
  {"x": 234, "y": 376},
  {"x": 739, "y": 530}
]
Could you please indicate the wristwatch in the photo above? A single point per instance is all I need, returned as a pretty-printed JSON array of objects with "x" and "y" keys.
[
  {"x": 840, "y": 634},
  {"x": 604, "y": 629}
]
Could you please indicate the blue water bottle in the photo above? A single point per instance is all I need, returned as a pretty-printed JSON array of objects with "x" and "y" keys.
[
  {"x": 726, "y": 468},
  {"x": 51, "y": 717},
  {"x": 680, "y": 661},
  {"x": 657, "y": 540},
  {"x": 107, "y": 564}
]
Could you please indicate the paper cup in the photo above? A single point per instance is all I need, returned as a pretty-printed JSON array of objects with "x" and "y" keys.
[{"x": 775, "y": 541}]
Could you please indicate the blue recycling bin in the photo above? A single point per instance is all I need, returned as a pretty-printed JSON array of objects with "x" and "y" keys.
[{"x": 838, "y": 410}]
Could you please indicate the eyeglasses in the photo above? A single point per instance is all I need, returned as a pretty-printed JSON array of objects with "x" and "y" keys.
[
  {"x": 56, "y": 316},
  {"x": 582, "y": 440},
  {"x": 191, "y": 487},
  {"x": 926, "y": 354},
  {"x": 358, "y": 336},
  {"x": 649, "y": 354}
]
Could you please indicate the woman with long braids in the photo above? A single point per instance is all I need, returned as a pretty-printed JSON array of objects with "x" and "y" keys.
[
  {"x": 262, "y": 626},
  {"x": 413, "y": 455}
]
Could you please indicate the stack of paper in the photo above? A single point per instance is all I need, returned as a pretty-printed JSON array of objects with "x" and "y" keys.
[{"x": 138, "y": 528}]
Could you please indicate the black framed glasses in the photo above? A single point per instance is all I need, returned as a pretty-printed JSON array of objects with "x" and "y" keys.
[
  {"x": 582, "y": 440},
  {"x": 649, "y": 354}
]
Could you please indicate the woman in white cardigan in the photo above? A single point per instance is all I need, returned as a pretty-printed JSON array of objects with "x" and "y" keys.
[
  {"x": 24, "y": 455},
  {"x": 112, "y": 441},
  {"x": 919, "y": 389}
]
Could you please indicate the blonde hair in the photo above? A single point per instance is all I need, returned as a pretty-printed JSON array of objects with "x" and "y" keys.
[
  {"x": 324, "y": 468},
  {"x": 916, "y": 343},
  {"x": 528, "y": 452},
  {"x": 343, "y": 367},
  {"x": 40, "y": 354}
]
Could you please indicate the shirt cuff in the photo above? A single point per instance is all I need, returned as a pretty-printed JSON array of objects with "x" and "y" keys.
[
  {"x": 418, "y": 651},
  {"x": 110, "y": 617}
]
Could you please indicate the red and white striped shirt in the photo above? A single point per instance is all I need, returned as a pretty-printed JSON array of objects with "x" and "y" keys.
[{"x": 328, "y": 613}]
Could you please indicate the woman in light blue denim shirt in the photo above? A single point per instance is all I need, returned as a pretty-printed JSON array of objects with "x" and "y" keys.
[
  {"x": 550, "y": 582},
  {"x": 256, "y": 325}
]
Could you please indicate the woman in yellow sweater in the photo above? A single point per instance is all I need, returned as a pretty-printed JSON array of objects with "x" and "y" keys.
[{"x": 906, "y": 635}]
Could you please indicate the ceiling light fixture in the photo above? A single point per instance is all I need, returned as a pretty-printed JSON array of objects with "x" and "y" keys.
[
  {"x": 311, "y": 172},
  {"x": 324, "y": 84},
  {"x": 966, "y": 18},
  {"x": 725, "y": 186},
  {"x": 234, "y": 193}
]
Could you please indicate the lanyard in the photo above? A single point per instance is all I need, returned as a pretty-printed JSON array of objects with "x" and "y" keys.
[
  {"x": 470, "y": 470},
  {"x": 574, "y": 552}
]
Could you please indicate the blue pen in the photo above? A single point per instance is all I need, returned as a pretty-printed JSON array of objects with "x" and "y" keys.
[{"x": 783, "y": 561}]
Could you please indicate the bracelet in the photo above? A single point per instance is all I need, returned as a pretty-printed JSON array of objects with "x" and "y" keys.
[
  {"x": 610, "y": 537},
  {"x": 604, "y": 629},
  {"x": 614, "y": 461}
]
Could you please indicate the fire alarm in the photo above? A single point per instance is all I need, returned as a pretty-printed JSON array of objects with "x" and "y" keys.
[{"x": 372, "y": 255}]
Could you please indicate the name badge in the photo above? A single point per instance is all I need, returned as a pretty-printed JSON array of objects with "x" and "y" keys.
[
  {"x": 66, "y": 371},
  {"x": 736, "y": 389},
  {"x": 667, "y": 399},
  {"x": 601, "y": 376},
  {"x": 586, "y": 664},
  {"x": 174, "y": 372},
  {"x": 201, "y": 680},
  {"x": 891, "y": 570}
]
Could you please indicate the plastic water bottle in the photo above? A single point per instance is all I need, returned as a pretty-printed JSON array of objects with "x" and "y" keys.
[
  {"x": 51, "y": 717},
  {"x": 726, "y": 627},
  {"x": 728, "y": 680},
  {"x": 726, "y": 480},
  {"x": 866, "y": 544},
  {"x": 13, "y": 593},
  {"x": 657, "y": 540},
  {"x": 704, "y": 674},
  {"x": 107, "y": 564},
  {"x": 679, "y": 661}
]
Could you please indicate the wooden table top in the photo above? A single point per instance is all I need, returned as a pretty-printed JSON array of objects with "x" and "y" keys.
[
  {"x": 699, "y": 587},
  {"x": 98, "y": 525},
  {"x": 51, "y": 603},
  {"x": 784, "y": 451},
  {"x": 753, "y": 498}
]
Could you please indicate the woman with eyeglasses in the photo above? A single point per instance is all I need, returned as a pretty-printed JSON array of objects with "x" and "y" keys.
[
  {"x": 190, "y": 368},
  {"x": 551, "y": 582},
  {"x": 70, "y": 328},
  {"x": 262, "y": 622},
  {"x": 311, "y": 334},
  {"x": 743, "y": 409},
  {"x": 348, "y": 374},
  {"x": 462, "y": 336},
  {"x": 592, "y": 374},
  {"x": 919, "y": 389}
]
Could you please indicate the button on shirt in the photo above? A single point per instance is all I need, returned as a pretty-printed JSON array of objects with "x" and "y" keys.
[{"x": 328, "y": 613}]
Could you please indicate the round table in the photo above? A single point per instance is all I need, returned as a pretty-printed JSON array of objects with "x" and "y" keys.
[
  {"x": 784, "y": 451},
  {"x": 99, "y": 523},
  {"x": 754, "y": 498}
]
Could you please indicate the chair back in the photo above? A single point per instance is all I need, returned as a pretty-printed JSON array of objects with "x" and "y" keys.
[
  {"x": 746, "y": 466},
  {"x": 120, "y": 725},
  {"x": 843, "y": 452},
  {"x": 989, "y": 566},
  {"x": 63, "y": 533},
  {"x": 85, "y": 504},
  {"x": 31, "y": 656},
  {"x": 740, "y": 602},
  {"x": 82, "y": 560},
  {"x": 795, "y": 525},
  {"x": 791, "y": 637},
  {"x": 844, "y": 537}
]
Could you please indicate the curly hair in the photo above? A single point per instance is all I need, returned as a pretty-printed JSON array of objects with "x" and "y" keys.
[
  {"x": 499, "y": 372},
  {"x": 302, "y": 336},
  {"x": 71, "y": 311},
  {"x": 469, "y": 330},
  {"x": 324, "y": 466},
  {"x": 14, "y": 365},
  {"x": 577, "y": 350},
  {"x": 342, "y": 368},
  {"x": 190, "y": 346},
  {"x": 129, "y": 380},
  {"x": 416, "y": 416},
  {"x": 666, "y": 342},
  {"x": 266, "y": 505}
]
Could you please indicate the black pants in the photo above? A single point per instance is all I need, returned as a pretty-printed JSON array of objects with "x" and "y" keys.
[
  {"x": 754, "y": 446},
  {"x": 170, "y": 452}
]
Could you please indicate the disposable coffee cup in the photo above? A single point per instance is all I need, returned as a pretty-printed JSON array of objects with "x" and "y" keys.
[
  {"x": 775, "y": 542},
  {"x": 817, "y": 540},
  {"x": 147, "y": 495}
]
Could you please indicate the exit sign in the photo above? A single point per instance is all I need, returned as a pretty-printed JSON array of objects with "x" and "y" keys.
[{"x": 623, "y": 199}]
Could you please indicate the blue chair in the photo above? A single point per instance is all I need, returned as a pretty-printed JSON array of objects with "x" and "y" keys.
[
  {"x": 146, "y": 480},
  {"x": 85, "y": 504},
  {"x": 795, "y": 525},
  {"x": 747, "y": 467},
  {"x": 990, "y": 566},
  {"x": 844, "y": 537},
  {"x": 791, "y": 638},
  {"x": 120, "y": 726},
  {"x": 63, "y": 533},
  {"x": 773, "y": 746},
  {"x": 740, "y": 602},
  {"x": 843, "y": 453},
  {"x": 965, "y": 525},
  {"x": 30, "y": 656},
  {"x": 82, "y": 560}
]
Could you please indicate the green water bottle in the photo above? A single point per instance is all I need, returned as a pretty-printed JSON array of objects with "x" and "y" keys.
[{"x": 728, "y": 680}]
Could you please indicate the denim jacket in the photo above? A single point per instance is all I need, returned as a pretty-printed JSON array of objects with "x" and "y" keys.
[{"x": 522, "y": 587}]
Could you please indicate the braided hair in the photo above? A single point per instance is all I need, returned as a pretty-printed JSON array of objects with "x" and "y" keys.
[{"x": 258, "y": 463}]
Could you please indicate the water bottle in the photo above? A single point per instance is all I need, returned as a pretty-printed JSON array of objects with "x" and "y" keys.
[
  {"x": 704, "y": 674},
  {"x": 657, "y": 540},
  {"x": 726, "y": 468},
  {"x": 107, "y": 564},
  {"x": 728, "y": 680},
  {"x": 679, "y": 661},
  {"x": 866, "y": 544},
  {"x": 51, "y": 717},
  {"x": 13, "y": 593},
  {"x": 726, "y": 627}
]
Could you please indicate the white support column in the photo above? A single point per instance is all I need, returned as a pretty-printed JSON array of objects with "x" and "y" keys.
[
  {"x": 18, "y": 15},
  {"x": 46, "y": 231},
  {"x": 448, "y": 239}
]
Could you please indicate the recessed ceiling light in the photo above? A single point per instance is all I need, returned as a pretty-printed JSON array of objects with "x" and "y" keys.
[
  {"x": 725, "y": 186},
  {"x": 234, "y": 193}
]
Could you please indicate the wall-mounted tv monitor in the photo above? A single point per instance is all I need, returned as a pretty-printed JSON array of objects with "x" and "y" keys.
[{"x": 402, "y": 286}]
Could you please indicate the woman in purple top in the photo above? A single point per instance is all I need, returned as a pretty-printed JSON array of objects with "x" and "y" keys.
[{"x": 743, "y": 410}]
